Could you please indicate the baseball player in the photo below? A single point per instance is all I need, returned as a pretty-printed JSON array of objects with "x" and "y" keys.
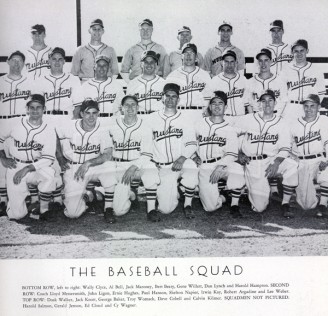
[
  {"x": 174, "y": 142},
  {"x": 281, "y": 56},
  {"x": 302, "y": 78},
  {"x": 148, "y": 87},
  {"x": 84, "y": 59},
  {"x": 264, "y": 150},
  {"x": 84, "y": 158},
  {"x": 36, "y": 62},
  {"x": 102, "y": 88},
  {"x": 217, "y": 152},
  {"x": 132, "y": 152},
  {"x": 213, "y": 56},
  {"x": 231, "y": 82},
  {"x": 265, "y": 80},
  {"x": 310, "y": 135},
  {"x": 31, "y": 154},
  {"x": 174, "y": 60},
  {"x": 194, "y": 83},
  {"x": 131, "y": 60}
]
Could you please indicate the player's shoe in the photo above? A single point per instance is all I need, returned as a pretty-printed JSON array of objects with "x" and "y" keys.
[
  {"x": 286, "y": 212},
  {"x": 321, "y": 209},
  {"x": 188, "y": 212},
  {"x": 153, "y": 216},
  {"x": 109, "y": 216},
  {"x": 235, "y": 212},
  {"x": 51, "y": 214},
  {"x": 34, "y": 208},
  {"x": 3, "y": 209}
]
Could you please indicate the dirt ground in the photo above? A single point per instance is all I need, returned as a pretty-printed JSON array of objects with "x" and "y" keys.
[{"x": 132, "y": 236}]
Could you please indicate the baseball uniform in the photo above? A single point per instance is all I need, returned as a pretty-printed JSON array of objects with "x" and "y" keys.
[
  {"x": 148, "y": 92},
  {"x": 37, "y": 62},
  {"x": 81, "y": 147},
  {"x": 30, "y": 145},
  {"x": 217, "y": 145},
  {"x": 131, "y": 59},
  {"x": 173, "y": 136},
  {"x": 281, "y": 57},
  {"x": 83, "y": 61},
  {"x": 237, "y": 92},
  {"x": 213, "y": 59},
  {"x": 263, "y": 141},
  {"x": 311, "y": 140}
]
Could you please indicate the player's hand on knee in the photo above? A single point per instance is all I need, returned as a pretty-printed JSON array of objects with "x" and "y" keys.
[
  {"x": 217, "y": 174},
  {"x": 178, "y": 164},
  {"x": 19, "y": 175},
  {"x": 129, "y": 175},
  {"x": 323, "y": 165},
  {"x": 63, "y": 163},
  {"x": 197, "y": 160},
  {"x": 272, "y": 170},
  {"x": 243, "y": 159},
  {"x": 80, "y": 173},
  {"x": 8, "y": 163}
]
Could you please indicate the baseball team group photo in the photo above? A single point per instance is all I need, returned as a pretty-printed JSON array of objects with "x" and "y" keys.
[{"x": 104, "y": 152}]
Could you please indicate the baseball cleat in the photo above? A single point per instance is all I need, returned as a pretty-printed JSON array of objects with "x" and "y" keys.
[
  {"x": 48, "y": 216},
  {"x": 287, "y": 213},
  {"x": 321, "y": 209},
  {"x": 189, "y": 213},
  {"x": 153, "y": 216},
  {"x": 34, "y": 208},
  {"x": 109, "y": 216},
  {"x": 235, "y": 212}
]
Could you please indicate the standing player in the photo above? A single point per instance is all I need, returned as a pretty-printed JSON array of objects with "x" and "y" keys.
[
  {"x": 193, "y": 81},
  {"x": 84, "y": 158},
  {"x": 231, "y": 82},
  {"x": 281, "y": 56},
  {"x": 310, "y": 134},
  {"x": 302, "y": 78},
  {"x": 37, "y": 55},
  {"x": 174, "y": 142},
  {"x": 218, "y": 151},
  {"x": 105, "y": 90},
  {"x": 84, "y": 59},
  {"x": 148, "y": 87},
  {"x": 265, "y": 80},
  {"x": 174, "y": 60},
  {"x": 264, "y": 151},
  {"x": 213, "y": 56},
  {"x": 31, "y": 154},
  {"x": 132, "y": 140},
  {"x": 131, "y": 60}
]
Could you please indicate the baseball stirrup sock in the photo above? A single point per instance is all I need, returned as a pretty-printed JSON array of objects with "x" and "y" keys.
[
  {"x": 134, "y": 185},
  {"x": 109, "y": 197},
  {"x": 151, "y": 198},
  {"x": 236, "y": 193},
  {"x": 324, "y": 191},
  {"x": 34, "y": 192},
  {"x": 3, "y": 195},
  {"x": 189, "y": 194},
  {"x": 222, "y": 184},
  {"x": 273, "y": 185},
  {"x": 287, "y": 193},
  {"x": 57, "y": 194}
]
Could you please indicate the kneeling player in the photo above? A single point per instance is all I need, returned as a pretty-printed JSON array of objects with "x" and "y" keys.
[{"x": 218, "y": 151}]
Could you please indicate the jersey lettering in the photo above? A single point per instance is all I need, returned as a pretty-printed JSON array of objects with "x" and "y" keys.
[
  {"x": 216, "y": 60},
  {"x": 128, "y": 145},
  {"x": 235, "y": 93},
  {"x": 193, "y": 86},
  {"x": 60, "y": 93},
  {"x": 263, "y": 138},
  {"x": 221, "y": 141},
  {"x": 86, "y": 149},
  {"x": 308, "y": 138},
  {"x": 302, "y": 83},
  {"x": 281, "y": 58},
  {"x": 109, "y": 97},
  {"x": 151, "y": 94},
  {"x": 170, "y": 132},
  {"x": 38, "y": 65},
  {"x": 25, "y": 146},
  {"x": 16, "y": 94}
]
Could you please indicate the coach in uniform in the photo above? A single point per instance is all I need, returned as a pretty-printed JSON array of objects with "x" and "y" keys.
[{"x": 84, "y": 58}]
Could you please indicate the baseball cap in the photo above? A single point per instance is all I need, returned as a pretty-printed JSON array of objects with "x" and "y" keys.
[
  {"x": 264, "y": 51},
  {"x": 97, "y": 22},
  {"x": 89, "y": 104},
  {"x": 229, "y": 53},
  {"x": 36, "y": 98},
  {"x": 172, "y": 87},
  {"x": 38, "y": 28},
  {"x": 133, "y": 97},
  {"x": 221, "y": 95},
  {"x": 225, "y": 23},
  {"x": 150, "y": 53},
  {"x": 189, "y": 45},
  {"x": 276, "y": 23},
  {"x": 102, "y": 57},
  {"x": 312, "y": 97},
  {"x": 57, "y": 50},
  {"x": 17, "y": 53},
  {"x": 267, "y": 92},
  {"x": 184, "y": 29},
  {"x": 146, "y": 21},
  {"x": 300, "y": 42}
]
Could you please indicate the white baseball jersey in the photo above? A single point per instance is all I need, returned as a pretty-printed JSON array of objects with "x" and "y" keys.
[
  {"x": 216, "y": 140},
  {"x": 213, "y": 59},
  {"x": 108, "y": 94},
  {"x": 13, "y": 96},
  {"x": 37, "y": 62},
  {"x": 257, "y": 85},
  {"x": 237, "y": 92},
  {"x": 31, "y": 144},
  {"x": 82, "y": 145},
  {"x": 60, "y": 92},
  {"x": 174, "y": 60},
  {"x": 173, "y": 136},
  {"x": 281, "y": 57},
  {"x": 194, "y": 87},
  {"x": 148, "y": 92}
]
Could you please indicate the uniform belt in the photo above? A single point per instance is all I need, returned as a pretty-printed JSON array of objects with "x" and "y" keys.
[
  {"x": 193, "y": 107},
  {"x": 162, "y": 163},
  {"x": 121, "y": 159},
  {"x": 145, "y": 112},
  {"x": 312, "y": 156},
  {"x": 11, "y": 116},
  {"x": 74, "y": 163},
  {"x": 275, "y": 111},
  {"x": 25, "y": 161},
  {"x": 296, "y": 102},
  {"x": 259, "y": 157},
  {"x": 211, "y": 160},
  {"x": 105, "y": 114},
  {"x": 57, "y": 112}
]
